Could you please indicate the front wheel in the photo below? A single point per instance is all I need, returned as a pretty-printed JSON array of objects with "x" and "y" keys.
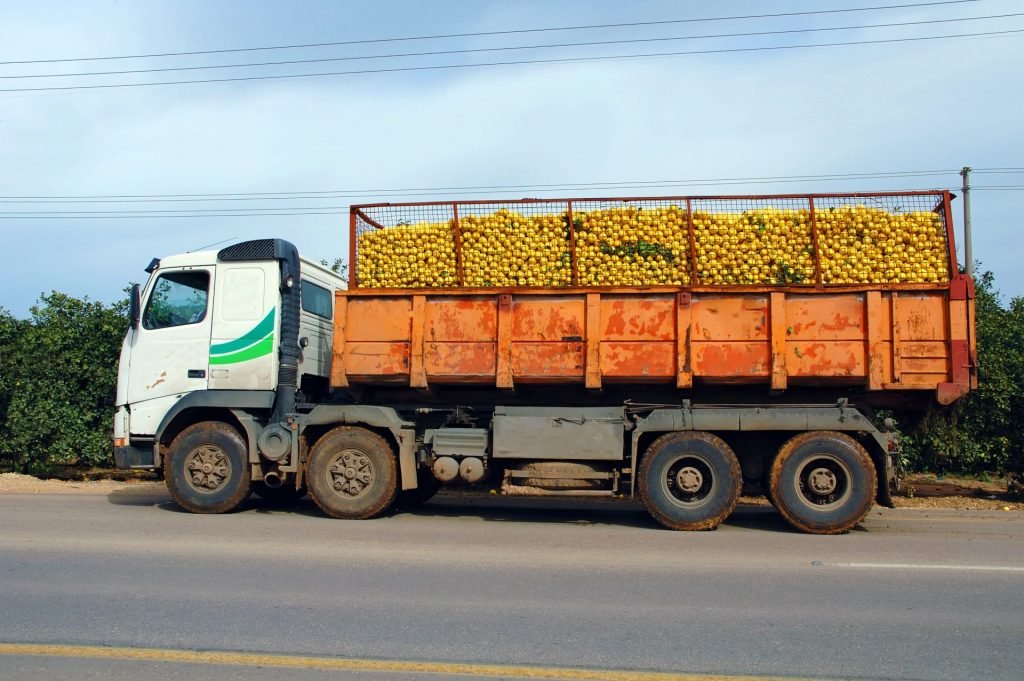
[
  {"x": 352, "y": 473},
  {"x": 690, "y": 481},
  {"x": 823, "y": 482},
  {"x": 206, "y": 468}
]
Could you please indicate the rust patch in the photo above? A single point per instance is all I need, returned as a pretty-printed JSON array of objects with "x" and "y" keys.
[
  {"x": 547, "y": 360},
  {"x": 731, "y": 359},
  {"x": 637, "y": 360},
  {"x": 616, "y": 322},
  {"x": 160, "y": 379},
  {"x": 460, "y": 359},
  {"x": 827, "y": 359}
]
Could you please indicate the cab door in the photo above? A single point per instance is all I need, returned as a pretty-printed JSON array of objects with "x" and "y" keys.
[
  {"x": 170, "y": 350},
  {"x": 244, "y": 340}
]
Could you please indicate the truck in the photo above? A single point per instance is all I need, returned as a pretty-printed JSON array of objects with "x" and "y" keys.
[{"x": 679, "y": 351}]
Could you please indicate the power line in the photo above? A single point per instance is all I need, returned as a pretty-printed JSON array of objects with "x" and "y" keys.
[
  {"x": 420, "y": 191},
  {"x": 565, "y": 60},
  {"x": 632, "y": 24},
  {"x": 117, "y": 216},
  {"x": 593, "y": 43}
]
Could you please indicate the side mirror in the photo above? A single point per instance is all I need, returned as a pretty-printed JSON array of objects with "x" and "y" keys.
[{"x": 135, "y": 305}]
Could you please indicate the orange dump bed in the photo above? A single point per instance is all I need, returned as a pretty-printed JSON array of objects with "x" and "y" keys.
[
  {"x": 881, "y": 340},
  {"x": 880, "y": 335}
]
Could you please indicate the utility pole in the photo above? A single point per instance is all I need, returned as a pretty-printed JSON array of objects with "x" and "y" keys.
[{"x": 968, "y": 251}]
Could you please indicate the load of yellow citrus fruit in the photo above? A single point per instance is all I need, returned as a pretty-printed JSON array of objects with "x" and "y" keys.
[
  {"x": 870, "y": 245},
  {"x": 507, "y": 248},
  {"x": 645, "y": 246},
  {"x": 633, "y": 246},
  {"x": 408, "y": 256}
]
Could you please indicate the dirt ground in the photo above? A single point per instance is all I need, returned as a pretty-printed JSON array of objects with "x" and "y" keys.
[{"x": 921, "y": 490}]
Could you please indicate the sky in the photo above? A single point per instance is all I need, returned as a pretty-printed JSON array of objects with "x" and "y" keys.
[{"x": 871, "y": 108}]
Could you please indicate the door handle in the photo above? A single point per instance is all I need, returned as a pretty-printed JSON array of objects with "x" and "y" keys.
[{"x": 197, "y": 373}]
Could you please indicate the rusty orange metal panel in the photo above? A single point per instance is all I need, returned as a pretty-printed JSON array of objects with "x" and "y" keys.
[
  {"x": 875, "y": 339},
  {"x": 638, "y": 360},
  {"x": 921, "y": 381},
  {"x": 417, "y": 374},
  {"x": 338, "y": 376},
  {"x": 826, "y": 359},
  {"x": 925, "y": 350},
  {"x": 737, "y": 317},
  {"x": 593, "y": 341},
  {"x": 926, "y": 365},
  {"x": 454, "y": 318},
  {"x": 921, "y": 316},
  {"x": 638, "y": 317},
  {"x": 731, "y": 360},
  {"x": 897, "y": 339},
  {"x": 826, "y": 317},
  {"x": 461, "y": 362},
  {"x": 882, "y": 339},
  {"x": 377, "y": 360},
  {"x": 504, "y": 349},
  {"x": 958, "y": 319},
  {"x": 380, "y": 319},
  {"x": 684, "y": 328},
  {"x": 778, "y": 309},
  {"x": 544, "y": 318},
  {"x": 542, "y": 362}
]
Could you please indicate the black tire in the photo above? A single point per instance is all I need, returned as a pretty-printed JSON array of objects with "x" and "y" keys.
[
  {"x": 690, "y": 481},
  {"x": 426, "y": 487},
  {"x": 207, "y": 468},
  {"x": 823, "y": 482},
  {"x": 352, "y": 473},
  {"x": 282, "y": 496}
]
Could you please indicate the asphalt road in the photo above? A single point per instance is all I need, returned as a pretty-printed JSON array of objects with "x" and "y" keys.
[{"x": 910, "y": 594}]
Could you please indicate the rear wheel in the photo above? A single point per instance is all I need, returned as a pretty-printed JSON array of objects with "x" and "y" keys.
[
  {"x": 207, "y": 469},
  {"x": 823, "y": 482},
  {"x": 352, "y": 473},
  {"x": 690, "y": 481}
]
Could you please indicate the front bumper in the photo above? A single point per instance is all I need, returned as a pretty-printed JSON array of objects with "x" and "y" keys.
[{"x": 134, "y": 457}]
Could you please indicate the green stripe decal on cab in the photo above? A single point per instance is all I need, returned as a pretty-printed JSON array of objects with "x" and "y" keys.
[
  {"x": 264, "y": 347},
  {"x": 255, "y": 335}
]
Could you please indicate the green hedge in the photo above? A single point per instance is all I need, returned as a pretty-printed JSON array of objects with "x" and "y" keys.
[{"x": 58, "y": 373}]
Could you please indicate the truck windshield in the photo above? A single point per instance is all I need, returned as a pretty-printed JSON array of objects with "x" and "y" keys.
[{"x": 178, "y": 298}]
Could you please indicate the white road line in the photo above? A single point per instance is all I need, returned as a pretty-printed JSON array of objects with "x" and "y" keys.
[{"x": 912, "y": 566}]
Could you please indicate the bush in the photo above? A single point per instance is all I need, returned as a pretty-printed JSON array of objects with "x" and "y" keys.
[
  {"x": 983, "y": 431},
  {"x": 58, "y": 375}
]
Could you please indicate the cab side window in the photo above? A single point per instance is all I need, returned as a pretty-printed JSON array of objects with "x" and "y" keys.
[
  {"x": 178, "y": 298},
  {"x": 316, "y": 299}
]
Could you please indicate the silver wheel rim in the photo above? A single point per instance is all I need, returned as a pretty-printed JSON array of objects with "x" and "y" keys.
[
  {"x": 823, "y": 482},
  {"x": 689, "y": 481},
  {"x": 207, "y": 469},
  {"x": 351, "y": 473}
]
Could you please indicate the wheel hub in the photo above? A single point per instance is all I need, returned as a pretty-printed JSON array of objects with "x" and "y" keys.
[
  {"x": 689, "y": 479},
  {"x": 822, "y": 481},
  {"x": 351, "y": 473},
  {"x": 208, "y": 468}
]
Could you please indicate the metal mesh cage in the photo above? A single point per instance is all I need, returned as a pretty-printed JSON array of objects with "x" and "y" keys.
[
  {"x": 792, "y": 241},
  {"x": 754, "y": 241},
  {"x": 889, "y": 239}
]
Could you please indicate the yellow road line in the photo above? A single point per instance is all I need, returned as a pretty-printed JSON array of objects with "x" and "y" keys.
[{"x": 359, "y": 665}]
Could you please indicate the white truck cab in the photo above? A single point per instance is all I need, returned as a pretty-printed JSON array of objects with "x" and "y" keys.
[{"x": 218, "y": 330}]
